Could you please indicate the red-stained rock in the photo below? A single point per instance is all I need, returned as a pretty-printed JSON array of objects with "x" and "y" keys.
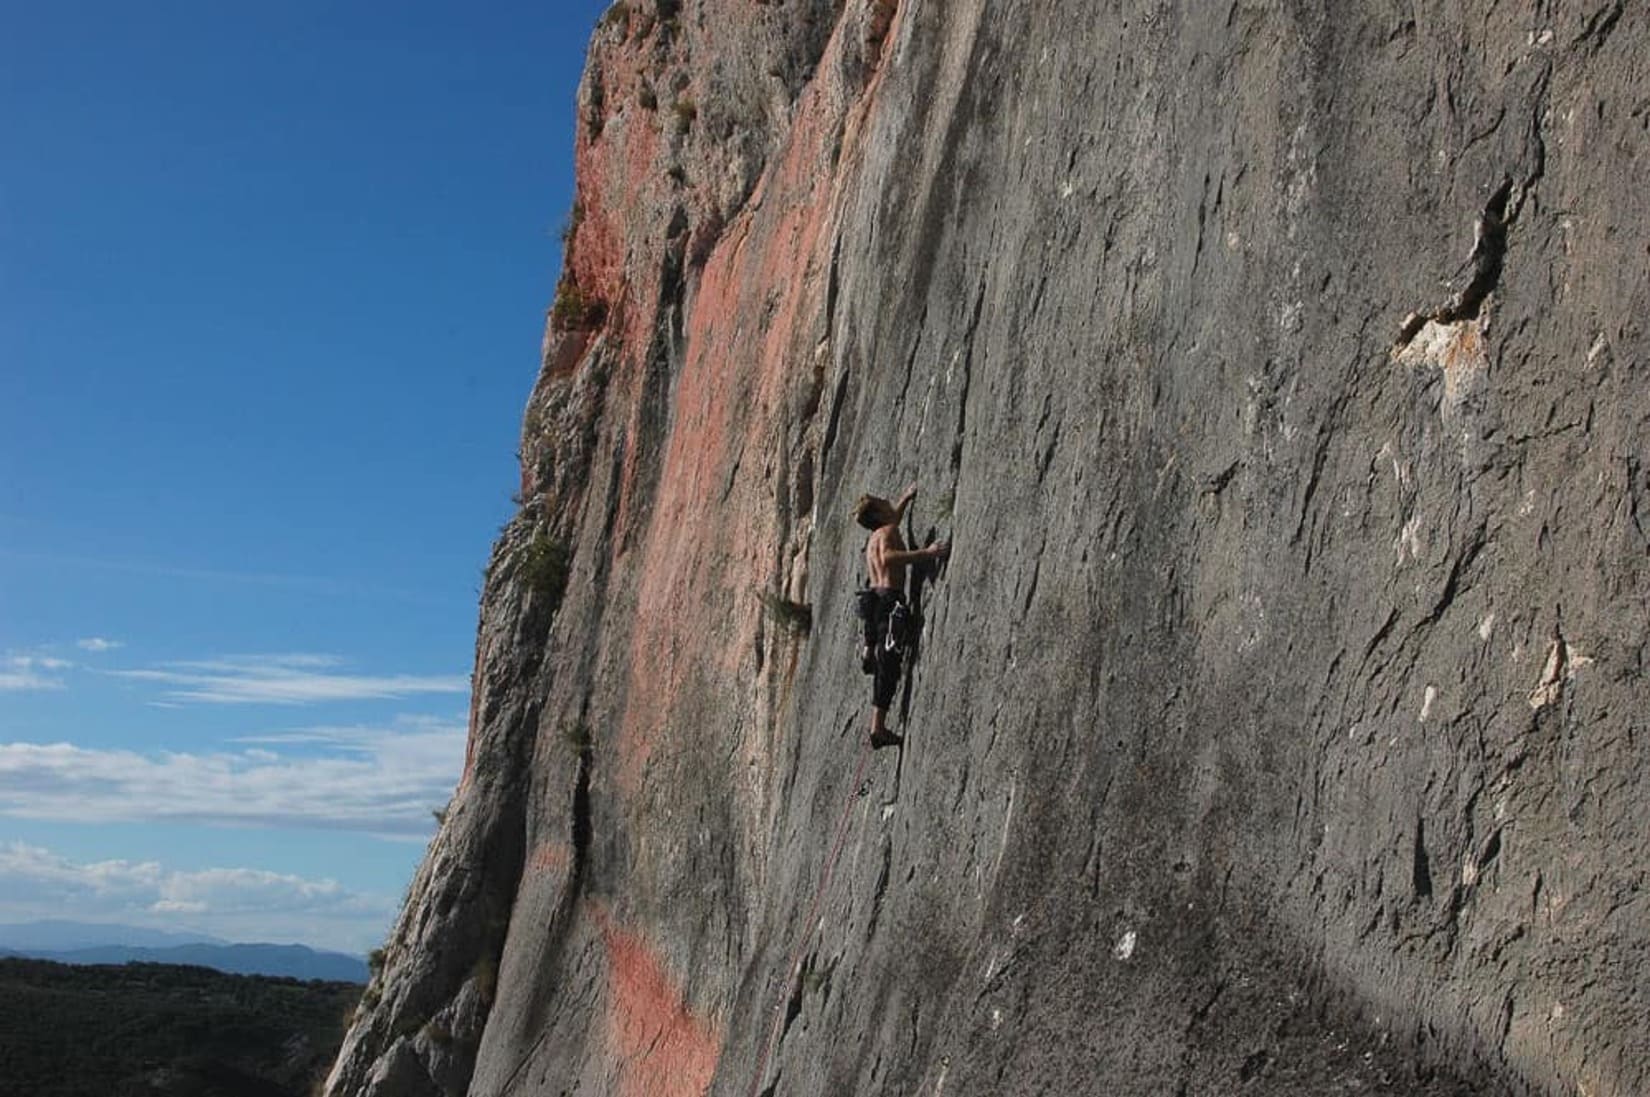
[
  {"x": 1225, "y": 770},
  {"x": 659, "y": 1047}
]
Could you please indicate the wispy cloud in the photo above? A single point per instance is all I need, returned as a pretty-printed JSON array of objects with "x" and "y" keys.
[
  {"x": 44, "y": 662},
  {"x": 24, "y": 672},
  {"x": 98, "y": 644},
  {"x": 236, "y": 903},
  {"x": 371, "y": 780},
  {"x": 23, "y": 680},
  {"x": 284, "y": 680}
]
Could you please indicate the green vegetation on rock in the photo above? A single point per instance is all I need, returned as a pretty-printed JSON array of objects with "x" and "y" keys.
[{"x": 544, "y": 567}]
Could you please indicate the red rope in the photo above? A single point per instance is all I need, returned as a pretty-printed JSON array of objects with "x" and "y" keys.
[{"x": 808, "y": 922}]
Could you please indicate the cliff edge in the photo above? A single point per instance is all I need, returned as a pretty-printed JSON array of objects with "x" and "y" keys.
[{"x": 1278, "y": 725}]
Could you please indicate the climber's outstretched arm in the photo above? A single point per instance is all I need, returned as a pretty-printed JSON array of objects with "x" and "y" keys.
[
  {"x": 939, "y": 550},
  {"x": 904, "y": 502}
]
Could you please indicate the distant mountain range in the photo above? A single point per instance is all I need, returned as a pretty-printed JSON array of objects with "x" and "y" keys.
[
  {"x": 62, "y": 935},
  {"x": 83, "y": 943}
]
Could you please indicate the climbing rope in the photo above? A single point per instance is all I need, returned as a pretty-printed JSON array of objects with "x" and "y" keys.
[{"x": 856, "y": 789}]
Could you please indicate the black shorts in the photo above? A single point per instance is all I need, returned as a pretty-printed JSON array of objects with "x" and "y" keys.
[{"x": 887, "y": 623}]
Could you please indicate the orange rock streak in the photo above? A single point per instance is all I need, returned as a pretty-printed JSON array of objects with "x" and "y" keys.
[
  {"x": 751, "y": 330},
  {"x": 661, "y": 1048}
]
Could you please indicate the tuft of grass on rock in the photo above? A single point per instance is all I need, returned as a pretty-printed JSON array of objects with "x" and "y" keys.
[
  {"x": 577, "y": 735},
  {"x": 485, "y": 974},
  {"x": 544, "y": 567},
  {"x": 575, "y": 310},
  {"x": 617, "y": 15},
  {"x": 686, "y": 111},
  {"x": 570, "y": 225},
  {"x": 794, "y": 617}
]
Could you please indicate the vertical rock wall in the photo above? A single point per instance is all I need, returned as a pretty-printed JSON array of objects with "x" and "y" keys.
[{"x": 1279, "y": 723}]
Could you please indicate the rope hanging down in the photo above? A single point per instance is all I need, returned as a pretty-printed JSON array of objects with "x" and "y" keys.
[{"x": 795, "y": 964}]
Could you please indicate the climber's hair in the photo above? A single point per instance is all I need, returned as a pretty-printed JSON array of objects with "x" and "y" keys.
[{"x": 871, "y": 510}]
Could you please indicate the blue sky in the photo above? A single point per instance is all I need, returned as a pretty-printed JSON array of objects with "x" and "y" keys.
[{"x": 272, "y": 282}]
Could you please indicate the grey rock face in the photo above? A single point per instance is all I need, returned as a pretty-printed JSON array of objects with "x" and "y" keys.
[{"x": 1278, "y": 725}]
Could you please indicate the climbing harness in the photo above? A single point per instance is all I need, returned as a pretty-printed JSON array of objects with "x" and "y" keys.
[
  {"x": 887, "y": 625},
  {"x": 859, "y": 786}
]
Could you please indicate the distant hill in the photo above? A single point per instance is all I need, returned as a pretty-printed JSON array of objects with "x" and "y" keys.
[
  {"x": 164, "y": 1031},
  {"x": 99, "y": 944},
  {"x": 289, "y": 961},
  {"x": 57, "y": 935}
]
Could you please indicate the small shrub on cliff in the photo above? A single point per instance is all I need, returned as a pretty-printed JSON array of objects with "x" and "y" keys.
[
  {"x": 666, "y": 12},
  {"x": 574, "y": 310},
  {"x": 577, "y": 736},
  {"x": 686, "y": 110},
  {"x": 544, "y": 469},
  {"x": 569, "y": 227},
  {"x": 485, "y": 974},
  {"x": 648, "y": 97},
  {"x": 408, "y": 1024},
  {"x": 569, "y": 306},
  {"x": 544, "y": 568},
  {"x": 375, "y": 962},
  {"x": 794, "y": 617}
]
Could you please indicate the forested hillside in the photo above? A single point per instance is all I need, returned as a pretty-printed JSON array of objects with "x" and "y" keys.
[{"x": 160, "y": 1030}]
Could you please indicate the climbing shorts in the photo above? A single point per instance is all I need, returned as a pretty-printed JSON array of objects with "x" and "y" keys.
[{"x": 887, "y": 620}]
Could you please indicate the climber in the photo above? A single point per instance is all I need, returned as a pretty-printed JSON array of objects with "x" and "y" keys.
[{"x": 883, "y": 606}]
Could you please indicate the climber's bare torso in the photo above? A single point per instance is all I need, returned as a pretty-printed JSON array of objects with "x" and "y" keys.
[{"x": 886, "y": 559}]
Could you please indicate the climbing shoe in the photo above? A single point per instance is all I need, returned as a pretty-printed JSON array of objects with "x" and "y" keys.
[{"x": 886, "y": 738}]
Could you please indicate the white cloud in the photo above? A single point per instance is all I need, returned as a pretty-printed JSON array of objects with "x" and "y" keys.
[
  {"x": 21, "y": 680},
  {"x": 178, "y": 906},
  {"x": 284, "y": 680},
  {"x": 369, "y": 780},
  {"x": 44, "y": 662},
  {"x": 98, "y": 643},
  {"x": 22, "y": 672},
  {"x": 235, "y": 903}
]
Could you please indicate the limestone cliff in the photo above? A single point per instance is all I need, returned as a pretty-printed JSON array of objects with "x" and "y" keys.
[{"x": 1279, "y": 725}]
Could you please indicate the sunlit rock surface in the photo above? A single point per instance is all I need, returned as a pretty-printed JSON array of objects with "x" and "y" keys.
[{"x": 1279, "y": 724}]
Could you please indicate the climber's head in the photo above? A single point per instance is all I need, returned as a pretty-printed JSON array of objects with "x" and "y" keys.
[{"x": 873, "y": 512}]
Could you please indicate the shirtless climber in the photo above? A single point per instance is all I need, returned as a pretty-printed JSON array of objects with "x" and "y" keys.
[{"x": 883, "y": 608}]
